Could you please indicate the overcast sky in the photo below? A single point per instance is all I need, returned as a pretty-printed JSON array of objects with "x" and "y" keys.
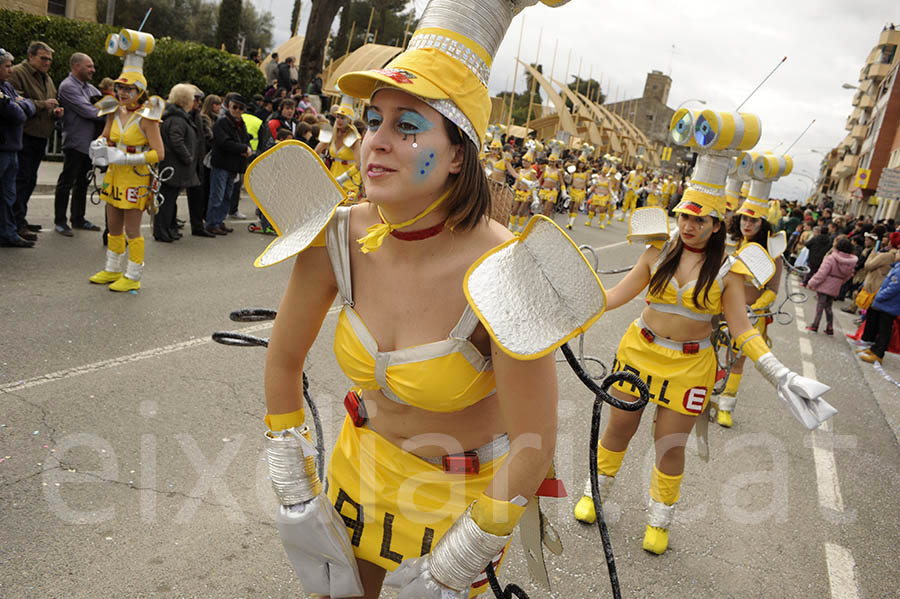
[{"x": 722, "y": 50}]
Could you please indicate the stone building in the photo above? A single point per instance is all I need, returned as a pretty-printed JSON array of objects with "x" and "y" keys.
[
  {"x": 872, "y": 127},
  {"x": 83, "y": 10},
  {"x": 649, "y": 113}
]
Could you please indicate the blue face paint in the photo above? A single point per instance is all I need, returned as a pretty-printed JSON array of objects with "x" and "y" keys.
[
  {"x": 373, "y": 120},
  {"x": 413, "y": 123},
  {"x": 425, "y": 163}
]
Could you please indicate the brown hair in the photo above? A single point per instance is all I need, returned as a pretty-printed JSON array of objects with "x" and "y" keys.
[
  {"x": 761, "y": 237},
  {"x": 470, "y": 196},
  {"x": 712, "y": 262}
]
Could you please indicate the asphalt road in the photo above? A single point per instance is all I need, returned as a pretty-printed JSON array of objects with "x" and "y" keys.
[{"x": 132, "y": 466}]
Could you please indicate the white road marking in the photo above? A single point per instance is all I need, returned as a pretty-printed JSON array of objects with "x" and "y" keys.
[
  {"x": 841, "y": 568},
  {"x": 805, "y": 346},
  {"x": 61, "y": 375},
  {"x": 826, "y": 469}
]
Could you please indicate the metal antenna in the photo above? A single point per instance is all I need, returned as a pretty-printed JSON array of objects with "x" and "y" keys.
[
  {"x": 801, "y": 135},
  {"x": 149, "y": 10},
  {"x": 781, "y": 62}
]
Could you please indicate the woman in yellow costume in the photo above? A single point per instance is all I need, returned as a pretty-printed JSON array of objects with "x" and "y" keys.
[
  {"x": 577, "y": 190},
  {"x": 526, "y": 181},
  {"x": 750, "y": 224},
  {"x": 600, "y": 199},
  {"x": 498, "y": 166},
  {"x": 633, "y": 184},
  {"x": 551, "y": 184},
  {"x": 689, "y": 280},
  {"x": 653, "y": 192},
  {"x": 419, "y": 481},
  {"x": 343, "y": 149},
  {"x": 130, "y": 142}
]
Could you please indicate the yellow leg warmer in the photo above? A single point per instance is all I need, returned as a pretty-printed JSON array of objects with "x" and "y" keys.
[
  {"x": 136, "y": 250},
  {"x": 116, "y": 243},
  {"x": 512, "y": 222},
  {"x": 665, "y": 488},
  {"x": 734, "y": 381},
  {"x": 609, "y": 462}
]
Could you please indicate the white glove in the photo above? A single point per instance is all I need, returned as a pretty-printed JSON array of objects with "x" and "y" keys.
[
  {"x": 414, "y": 579},
  {"x": 799, "y": 393},
  {"x": 98, "y": 152},
  {"x": 315, "y": 539},
  {"x": 115, "y": 156}
]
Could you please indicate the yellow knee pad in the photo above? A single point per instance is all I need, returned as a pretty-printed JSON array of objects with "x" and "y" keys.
[
  {"x": 136, "y": 250},
  {"x": 665, "y": 488},
  {"x": 116, "y": 243}
]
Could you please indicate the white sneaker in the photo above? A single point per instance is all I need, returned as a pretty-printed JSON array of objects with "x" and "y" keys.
[
  {"x": 860, "y": 343},
  {"x": 237, "y": 216}
]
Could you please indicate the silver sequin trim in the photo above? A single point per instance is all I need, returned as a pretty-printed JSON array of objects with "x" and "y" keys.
[
  {"x": 456, "y": 116},
  {"x": 456, "y": 50}
]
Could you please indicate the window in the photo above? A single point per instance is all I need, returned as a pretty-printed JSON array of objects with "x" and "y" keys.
[
  {"x": 650, "y": 117},
  {"x": 56, "y": 7}
]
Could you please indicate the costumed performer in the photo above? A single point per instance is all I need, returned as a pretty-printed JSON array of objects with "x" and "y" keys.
[
  {"x": 599, "y": 200},
  {"x": 750, "y": 224},
  {"x": 446, "y": 435},
  {"x": 499, "y": 167},
  {"x": 577, "y": 190},
  {"x": 633, "y": 183},
  {"x": 689, "y": 280},
  {"x": 129, "y": 144},
  {"x": 551, "y": 184},
  {"x": 526, "y": 181},
  {"x": 343, "y": 148}
]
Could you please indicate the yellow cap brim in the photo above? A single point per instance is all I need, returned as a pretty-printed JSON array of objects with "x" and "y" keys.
[{"x": 698, "y": 203}]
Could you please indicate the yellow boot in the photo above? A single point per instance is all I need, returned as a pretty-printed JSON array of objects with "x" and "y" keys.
[
  {"x": 114, "y": 254},
  {"x": 728, "y": 400},
  {"x": 608, "y": 464},
  {"x": 602, "y": 221},
  {"x": 132, "y": 279},
  {"x": 664, "y": 494},
  {"x": 589, "y": 221}
]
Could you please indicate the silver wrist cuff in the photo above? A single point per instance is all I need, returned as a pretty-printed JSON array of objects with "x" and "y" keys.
[
  {"x": 461, "y": 554},
  {"x": 292, "y": 466},
  {"x": 771, "y": 369},
  {"x": 659, "y": 514}
]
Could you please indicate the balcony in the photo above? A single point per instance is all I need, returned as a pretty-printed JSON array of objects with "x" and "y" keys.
[
  {"x": 859, "y": 132},
  {"x": 866, "y": 101},
  {"x": 878, "y": 71},
  {"x": 845, "y": 167},
  {"x": 889, "y": 37}
]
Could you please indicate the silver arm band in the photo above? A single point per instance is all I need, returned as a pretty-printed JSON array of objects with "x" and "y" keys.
[
  {"x": 292, "y": 466},
  {"x": 461, "y": 554}
]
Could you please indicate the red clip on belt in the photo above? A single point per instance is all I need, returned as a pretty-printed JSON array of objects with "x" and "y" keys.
[
  {"x": 355, "y": 407},
  {"x": 649, "y": 336}
]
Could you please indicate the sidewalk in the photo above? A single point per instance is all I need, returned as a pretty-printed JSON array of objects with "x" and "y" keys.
[{"x": 48, "y": 173}]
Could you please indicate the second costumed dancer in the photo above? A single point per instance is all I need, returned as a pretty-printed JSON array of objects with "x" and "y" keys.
[
  {"x": 449, "y": 434},
  {"x": 129, "y": 144},
  {"x": 689, "y": 280}
]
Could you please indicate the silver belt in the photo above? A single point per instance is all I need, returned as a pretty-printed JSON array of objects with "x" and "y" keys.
[
  {"x": 687, "y": 347},
  {"x": 486, "y": 453}
]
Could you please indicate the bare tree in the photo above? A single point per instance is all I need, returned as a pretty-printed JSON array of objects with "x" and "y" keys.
[{"x": 320, "y": 19}]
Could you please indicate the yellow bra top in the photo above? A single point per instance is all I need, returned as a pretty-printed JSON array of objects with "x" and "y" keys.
[
  {"x": 579, "y": 176},
  {"x": 499, "y": 165},
  {"x": 679, "y": 299},
  {"x": 635, "y": 180},
  {"x": 442, "y": 376},
  {"x": 133, "y": 134},
  {"x": 526, "y": 175},
  {"x": 345, "y": 153},
  {"x": 553, "y": 175}
]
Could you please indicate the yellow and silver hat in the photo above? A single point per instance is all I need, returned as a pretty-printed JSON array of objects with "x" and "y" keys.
[
  {"x": 496, "y": 145},
  {"x": 133, "y": 47},
  {"x": 448, "y": 61},
  {"x": 767, "y": 168},
  {"x": 345, "y": 108},
  {"x": 528, "y": 156}
]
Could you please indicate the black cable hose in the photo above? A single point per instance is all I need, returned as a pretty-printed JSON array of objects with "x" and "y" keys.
[
  {"x": 601, "y": 395},
  {"x": 252, "y": 315},
  {"x": 511, "y": 590}
]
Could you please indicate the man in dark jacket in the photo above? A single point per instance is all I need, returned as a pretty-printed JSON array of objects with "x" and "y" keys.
[
  {"x": 31, "y": 80},
  {"x": 229, "y": 157},
  {"x": 818, "y": 246},
  {"x": 179, "y": 134},
  {"x": 14, "y": 109},
  {"x": 197, "y": 194},
  {"x": 284, "y": 73}
]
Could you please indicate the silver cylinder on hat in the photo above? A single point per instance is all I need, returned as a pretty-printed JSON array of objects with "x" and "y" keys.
[{"x": 483, "y": 21}]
